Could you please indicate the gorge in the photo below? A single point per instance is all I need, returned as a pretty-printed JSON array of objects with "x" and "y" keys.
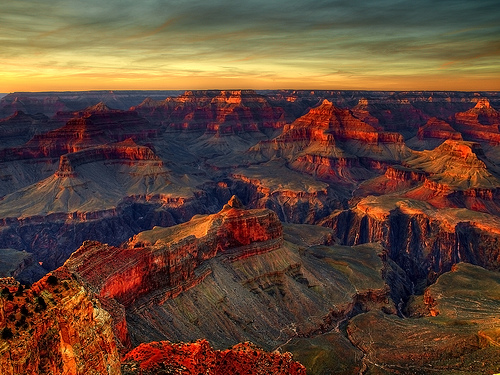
[{"x": 206, "y": 230}]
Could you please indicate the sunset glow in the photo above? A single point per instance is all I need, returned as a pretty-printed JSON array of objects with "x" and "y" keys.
[{"x": 153, "y": 44}]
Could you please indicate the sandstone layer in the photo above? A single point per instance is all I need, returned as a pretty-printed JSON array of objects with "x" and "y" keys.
[{"x": 55, "y": 327}]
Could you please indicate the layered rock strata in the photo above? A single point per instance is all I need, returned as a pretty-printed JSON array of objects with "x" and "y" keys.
[
  {"x": 174, "y": 256},
  {"x": 55, "y": 327},
  {"x": 334, "y": 145},
  {"x": 214, "y": 112},
  {"x": 453, "y": 328}
]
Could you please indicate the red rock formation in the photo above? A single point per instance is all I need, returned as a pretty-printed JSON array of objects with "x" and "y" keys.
[
  {"x": 332, "y": 144},
  {"x": 438, "y": 129},
  {"x": 91, "y": 127},
  {"x": 392, "y": 111},
  {"x": 58, "y": 327},
  {"x": 200, "y": 358},
  {"x": 459, "y": 173},
  {"x": 479, "y": 123},
  {"x": 127, "y": 152},
  {"x": 214, "y": 112},
  {"x": 174, "y": 261}
]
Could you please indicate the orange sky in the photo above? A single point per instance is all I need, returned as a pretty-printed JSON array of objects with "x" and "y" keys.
[{"x": 159, "y": 44}]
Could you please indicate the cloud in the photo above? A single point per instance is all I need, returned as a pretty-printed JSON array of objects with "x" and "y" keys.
[{"x": 293, "y": 37}]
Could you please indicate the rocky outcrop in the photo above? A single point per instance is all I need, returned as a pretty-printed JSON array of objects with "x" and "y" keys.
[
  {"x": 174, "y": 257},
  {"x": 334, "y": 145},
  {"x": 460, "y": 173},
  {"x": 126, "y": 152},
  {"x": 438, "y": 129},
  {"x": 94, "y": 126},
  {"x": 215, "y": 112},
  {"x": 479, "y": 123},
  {"x": 296, "y": 198},
  {"x": 200, "y": 358},
  {"x": 423, "y": 242},
  {"x": 56, "y": 327}
]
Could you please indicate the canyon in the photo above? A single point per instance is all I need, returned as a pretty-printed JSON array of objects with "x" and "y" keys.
[{"x": 344, "y": 227}]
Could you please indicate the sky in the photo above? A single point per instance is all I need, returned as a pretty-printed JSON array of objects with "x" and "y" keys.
[{"x": 65, "y": 45}]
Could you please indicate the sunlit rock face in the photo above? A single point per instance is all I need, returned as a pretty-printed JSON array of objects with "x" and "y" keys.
[
  {"x": 223, "y": 271},
  {"x": 404, "y": 187},
  {"x": 333, "y": 145},
  {"x": 200, "y": 358},
  {"x": 215, "y": 112},
  {"x": 173, "y": 257},
  {"x": 438, "y": 129},
  {"x": 479, "y": 123},
  {"x": 92, "y": 126},
  {"x": 56, "y": 327}
]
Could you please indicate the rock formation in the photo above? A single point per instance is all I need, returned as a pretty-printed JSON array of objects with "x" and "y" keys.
[
  {"x": 333, "y": 145},
  {"x": 405, "y": 186},
  {"x": 440, "y": 129},
  {"x": 174, "y": 256},
  {"x": 214, "y": 112},
  {"x": 457, "y": 333},
  {"x": 479, "y": 123},
  {"x": 90, "y": 127},
  {"x": 200, "y": 358},
  {"x": 55, "y": 327}
]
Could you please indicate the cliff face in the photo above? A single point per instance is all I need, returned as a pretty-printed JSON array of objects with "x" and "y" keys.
[
  {"x": 90, "y": 127},
  {"x": 127, "y": 152},
  {"x": 56, "y": 327},
  {"x": 438, "y": 129},
  {"x": 215, "y": 112},
  {"x": 479, "y": 123},
  {"x": 423, "y": 242},
  {"x": 217, "y": 276},
  {"x": 174, "y": 256},
  {"x": 451, "y": 327},
  {"x": 334, "y": 145}
]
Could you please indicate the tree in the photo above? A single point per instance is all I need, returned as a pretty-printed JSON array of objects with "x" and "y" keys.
[
  {"x": 20, "y": 290},
  {"x": 52, "y": 280},
  {"x": 41, "y": 303},
  {"x": 7, "y": 333}
]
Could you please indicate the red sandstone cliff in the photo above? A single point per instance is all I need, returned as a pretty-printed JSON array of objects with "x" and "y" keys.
[
  {"x": 91, "y": 127},
  {"x": 479, "y": 123},
  {"x": 334, "y": 145},
  {"x": 55, "y": 327},
  {"x": 440, "y": 129},
  {"x": 214, "y": 112},
  {"x": 174, "y": 256}
]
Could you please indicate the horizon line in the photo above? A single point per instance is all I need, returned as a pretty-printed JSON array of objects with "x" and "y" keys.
[{"x": 248, "y": 89}]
